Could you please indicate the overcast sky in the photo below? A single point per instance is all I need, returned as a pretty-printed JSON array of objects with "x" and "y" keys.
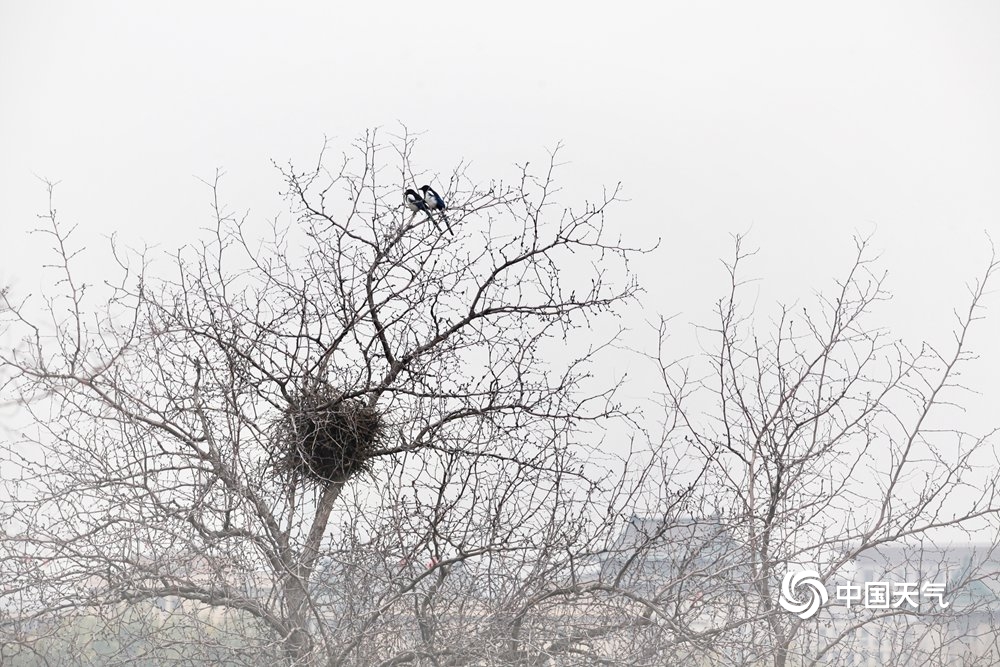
[{"x": 802, "y": 123}]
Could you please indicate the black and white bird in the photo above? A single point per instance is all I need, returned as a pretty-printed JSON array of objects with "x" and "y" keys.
[
  {"x": 434, "y": 202},
  {"x": 414, "y": 202}
]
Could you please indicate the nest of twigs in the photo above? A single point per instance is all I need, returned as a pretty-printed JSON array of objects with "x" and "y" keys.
[{"x": 323, "y": 437}]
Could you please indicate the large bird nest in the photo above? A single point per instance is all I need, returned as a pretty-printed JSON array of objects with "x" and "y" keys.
[{"x": 324, "y": 437}]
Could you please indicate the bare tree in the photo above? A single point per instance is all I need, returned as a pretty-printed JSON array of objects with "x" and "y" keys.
[
  {"x": 363, "y": 441},
  {"x": 816, "y": 441},
  {"x": 285, "y": 446}
]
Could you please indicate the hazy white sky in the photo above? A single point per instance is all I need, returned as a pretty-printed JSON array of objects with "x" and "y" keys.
[{"x": 803, "y": 122}]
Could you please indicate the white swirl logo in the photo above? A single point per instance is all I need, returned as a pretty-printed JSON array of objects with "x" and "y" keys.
[{"x": 817, "y": 594}]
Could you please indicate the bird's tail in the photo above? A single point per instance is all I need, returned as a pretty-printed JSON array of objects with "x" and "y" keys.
[
  {"x": 430, "y": 216},
  {"x": 447, "y": 223}
]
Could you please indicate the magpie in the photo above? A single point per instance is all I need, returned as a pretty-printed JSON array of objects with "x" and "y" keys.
[
  {"x": 434, "y": 202},
  {"x": 414, "y": 202}
]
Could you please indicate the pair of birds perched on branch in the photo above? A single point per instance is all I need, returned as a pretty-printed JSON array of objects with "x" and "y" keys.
[{"x": 428, "y": 202}]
